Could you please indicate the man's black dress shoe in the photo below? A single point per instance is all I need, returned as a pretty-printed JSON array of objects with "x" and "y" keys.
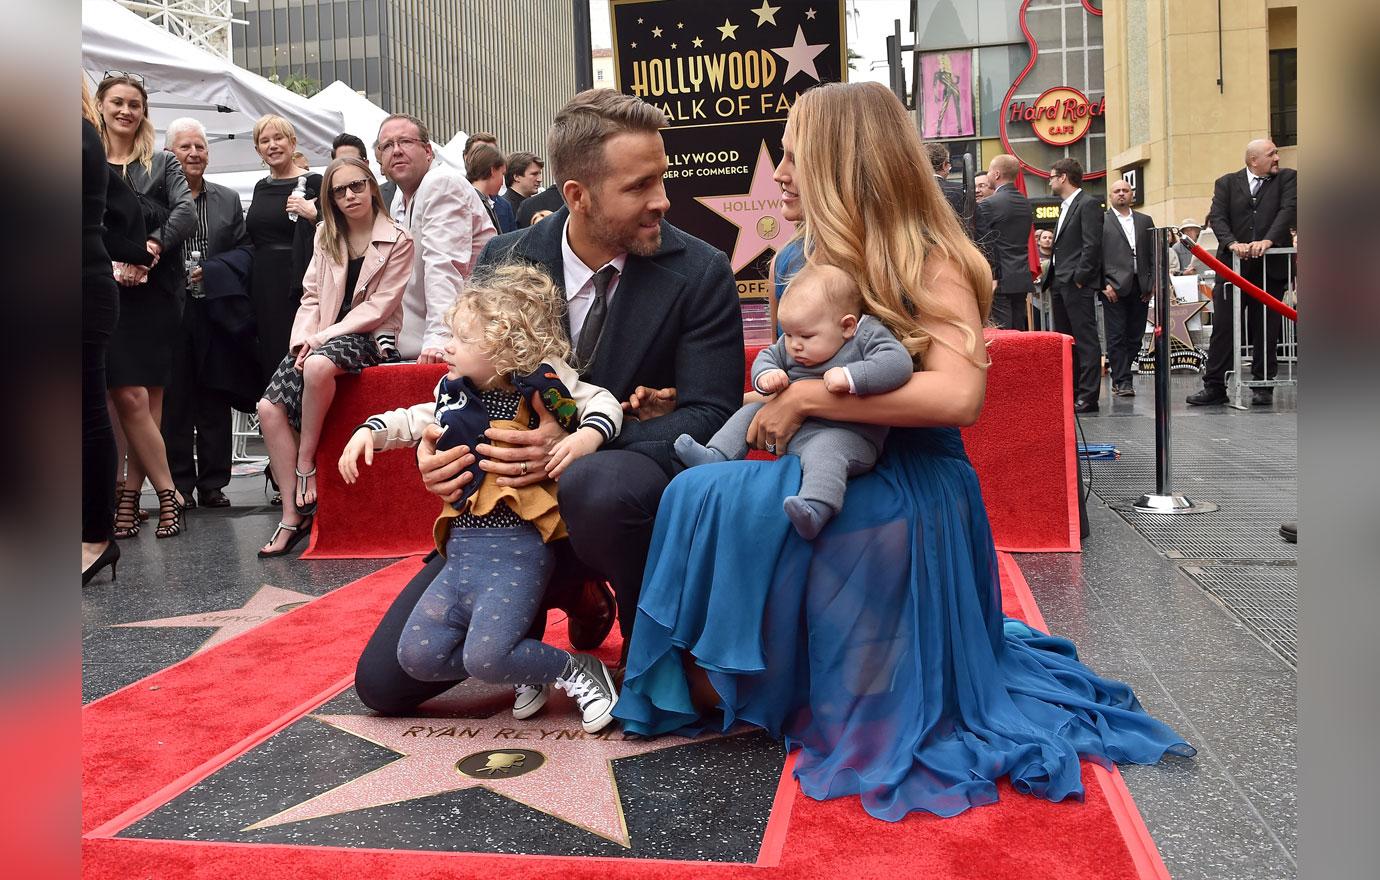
[
  {"x": 188, "y": 501},
  {"x": 1262, "y": 396},
  {"x": 1208, "y": 397},
  {"x": 213, "y": 498},
  {"x": 589, "y": 621},
  {"x": 1085, "y": 406},
  {"x": 1289, "y": 531}
]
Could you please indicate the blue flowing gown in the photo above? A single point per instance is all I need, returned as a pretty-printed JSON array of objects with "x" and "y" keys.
[{"x": 879, "y": 649}]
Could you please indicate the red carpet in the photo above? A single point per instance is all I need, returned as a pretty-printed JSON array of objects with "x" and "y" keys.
[
  {"x": 1022, "y": 447},
  {"x": 147, "y": 743}
]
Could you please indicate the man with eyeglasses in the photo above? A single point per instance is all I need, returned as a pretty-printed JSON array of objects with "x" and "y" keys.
[
  {"x": 1075, "y": 278},
  {"x": 449, "y": 229}
]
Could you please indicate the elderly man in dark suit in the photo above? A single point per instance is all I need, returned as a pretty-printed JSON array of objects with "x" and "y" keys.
[
  {"x": 1005, "y": 221},
  {"x": 1075, "y": 277},
  {"x": 196, "y": 413},
  {"x": 653, "y": 317},
  {"x": 1127, "y": 283},
  {"x": 1252, "y": 211}
]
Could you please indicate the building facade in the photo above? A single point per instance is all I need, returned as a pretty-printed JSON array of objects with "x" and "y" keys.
[
  {"x": 1188, "y": 88},
  {"x": 456, "y": 64}
]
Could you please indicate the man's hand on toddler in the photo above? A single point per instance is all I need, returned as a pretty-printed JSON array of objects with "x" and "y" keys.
[
  {"x": 836, "y": 380},
  {"x": 650, "y": 403},
  {"x": 773, "y": 382},
  {"x": 444, "y": 474},
  {"x": 361, "y": 443},
  {"x": 527, "y": 456},
  {"x": 577, "y": 445}
]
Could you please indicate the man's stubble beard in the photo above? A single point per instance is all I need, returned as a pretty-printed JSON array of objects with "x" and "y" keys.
[{"x": 605, "y": 232}]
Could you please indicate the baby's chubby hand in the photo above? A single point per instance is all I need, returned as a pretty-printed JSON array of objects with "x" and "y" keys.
[
  {"x": 836, "y": 380},
  {"x": 773, "y": 382},
  {"x": 577, "y": 445}
]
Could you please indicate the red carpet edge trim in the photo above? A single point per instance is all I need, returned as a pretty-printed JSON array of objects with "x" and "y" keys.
[
  {"x": 1139, "y": 844},
  {"x": 1071, "y": 432},
  {"x": 779, "y": 818}
]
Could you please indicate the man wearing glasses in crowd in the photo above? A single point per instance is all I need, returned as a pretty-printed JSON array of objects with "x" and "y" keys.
[{"x": 449, "y": 228}]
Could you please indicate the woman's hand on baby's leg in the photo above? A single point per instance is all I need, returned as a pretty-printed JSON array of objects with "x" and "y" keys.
[
  {"x": 577, "y": 445},
  {"x": 361, "y": 443}
]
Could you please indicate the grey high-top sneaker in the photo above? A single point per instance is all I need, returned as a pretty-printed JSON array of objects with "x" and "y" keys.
[
  {"x": 528, "y": 700},
  {"x": 587, "y": 680}
]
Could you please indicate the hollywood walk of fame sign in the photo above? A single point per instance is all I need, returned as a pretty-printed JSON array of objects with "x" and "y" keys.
[
  {"x": 266, "y": 604},
  {"x": 1184, "y": 356},
  {"x": 548, "y": 763},
  {"x": 726, "y": 73}
]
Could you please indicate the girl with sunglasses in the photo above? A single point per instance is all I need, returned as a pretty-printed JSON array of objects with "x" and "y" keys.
[{"x": 350, "y": 314}]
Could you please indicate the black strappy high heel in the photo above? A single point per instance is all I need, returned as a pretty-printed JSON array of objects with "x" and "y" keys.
[
  {"x": 170, "y": 508},
  {"x": 126, "y": 513}
]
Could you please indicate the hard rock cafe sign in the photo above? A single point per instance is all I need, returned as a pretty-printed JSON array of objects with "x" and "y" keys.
[{"x": 1059, "y": 117}]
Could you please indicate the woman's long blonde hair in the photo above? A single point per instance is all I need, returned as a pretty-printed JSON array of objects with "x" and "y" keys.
[
  {"x": 517, "y": 311},
  {"x": 89, "y": 111},
  {"x": 873, "y": 209},
  {"x": 144, "y": 140},
  {"x": 333, "y": 222}
]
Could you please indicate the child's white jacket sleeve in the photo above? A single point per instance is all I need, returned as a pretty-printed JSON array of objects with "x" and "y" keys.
[{"x": 399, "y": 428}]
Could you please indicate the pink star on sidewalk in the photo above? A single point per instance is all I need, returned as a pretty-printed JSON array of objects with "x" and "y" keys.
[
  {"x": 268, "y": 603},
  {"x": 549, "y": 764},
  {"x": 756, "y": 213},
  {"x": 800, "y": 57}
]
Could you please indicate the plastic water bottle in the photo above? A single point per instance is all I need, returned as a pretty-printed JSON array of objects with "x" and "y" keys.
[
  {"x": 300, "y": 190},
  {"x": 193, "y": 287}
]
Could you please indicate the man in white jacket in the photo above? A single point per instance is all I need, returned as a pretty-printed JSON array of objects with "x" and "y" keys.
[{"x": 449, "y": 228}]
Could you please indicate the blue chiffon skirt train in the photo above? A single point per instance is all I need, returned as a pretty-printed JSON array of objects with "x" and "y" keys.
[{"x": 880, "y": 648}]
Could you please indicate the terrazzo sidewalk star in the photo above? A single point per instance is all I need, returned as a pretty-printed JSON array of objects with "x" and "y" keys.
[
  {"x": 266, "y": 604},
  {"x": 548, "y": 764}
]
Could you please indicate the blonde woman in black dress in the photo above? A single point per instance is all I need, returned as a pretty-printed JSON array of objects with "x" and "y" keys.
[{"x": 139, "y": 364}]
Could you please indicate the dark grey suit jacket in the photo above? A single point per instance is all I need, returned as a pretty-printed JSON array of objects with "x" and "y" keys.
[
  {"x": 1004, "y": 222},
  {"x": 1118, "y": 263},
  {"x": 224, "y": 219},
  {"x": 1078, "y": 246},
  {"x": 674, "y": 322}
]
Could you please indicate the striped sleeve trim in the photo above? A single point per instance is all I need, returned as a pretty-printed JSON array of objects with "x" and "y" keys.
[{"x": 601, "y": 423}]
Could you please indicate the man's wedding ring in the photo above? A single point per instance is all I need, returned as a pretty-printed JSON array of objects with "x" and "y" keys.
[
  {"x": 523, "y": 472},
  {"x": 771, "y": 447}
]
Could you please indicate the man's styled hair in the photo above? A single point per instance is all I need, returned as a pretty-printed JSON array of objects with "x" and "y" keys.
[
  {"x": 348, "y": 140},
  {"x": 518, "y": 163},
  {"x": 1069, "y": 167},
  {"x": 422, "y": 131},
  {"x": 938, "y": 154},
  {"x": 481, "y": 161},
  {"x": 576, "y": 142},
  {"x": 180, "y": 125},
  {"x": 479, "y": 137}
]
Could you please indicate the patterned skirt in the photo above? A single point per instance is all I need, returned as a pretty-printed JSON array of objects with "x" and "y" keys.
[{"x": 351, "y": 353}]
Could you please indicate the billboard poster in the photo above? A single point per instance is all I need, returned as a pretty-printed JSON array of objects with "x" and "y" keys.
[
  {"x": 946, "y": 90},
  {"x": 726, "y": 73}
]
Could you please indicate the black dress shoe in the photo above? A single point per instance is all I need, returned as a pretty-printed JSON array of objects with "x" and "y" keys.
[
  {"x": 589, "y": 621},
  {"x": 1289, "y": 531},
  {"x": 188, "y": 502},
  {"x": 1085, "y": 406},
  {"x": 213, "y": 498},
  {"x": 1262, "y": 396},
  {"x": 1208, "y": 397}
]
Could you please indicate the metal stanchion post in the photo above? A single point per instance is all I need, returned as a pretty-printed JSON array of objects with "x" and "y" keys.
[{"x": 1164, "y": 500}]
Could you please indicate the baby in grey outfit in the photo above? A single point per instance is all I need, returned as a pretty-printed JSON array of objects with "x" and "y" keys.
[{"x": 822, "y": 337}]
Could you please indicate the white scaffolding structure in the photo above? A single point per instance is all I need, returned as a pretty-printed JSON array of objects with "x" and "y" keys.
[{"x": 203, "y": 23}]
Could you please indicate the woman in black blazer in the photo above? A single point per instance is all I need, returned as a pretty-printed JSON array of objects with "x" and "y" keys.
[{"x": 139, "y": 365}]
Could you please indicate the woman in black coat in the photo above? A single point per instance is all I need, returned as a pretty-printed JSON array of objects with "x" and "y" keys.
[{"x": 139, "y": 365}]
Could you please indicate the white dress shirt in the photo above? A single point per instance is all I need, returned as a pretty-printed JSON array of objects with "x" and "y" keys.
[
  {"x": 1064, "y": 211},
  {"x": 579, "y": 283},
  {"x": 1128, "y": 227}
]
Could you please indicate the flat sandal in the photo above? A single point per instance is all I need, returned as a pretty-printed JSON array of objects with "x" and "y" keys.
[{"x": 299, "y": 531}]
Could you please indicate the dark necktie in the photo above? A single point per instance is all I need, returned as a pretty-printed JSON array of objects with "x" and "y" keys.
[
  {"x": 594, "y": 321},
  {"x": 1256, "y": 184}
]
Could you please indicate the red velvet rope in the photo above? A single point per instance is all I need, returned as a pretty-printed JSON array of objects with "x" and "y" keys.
[{"x": 1225, "y": 271}]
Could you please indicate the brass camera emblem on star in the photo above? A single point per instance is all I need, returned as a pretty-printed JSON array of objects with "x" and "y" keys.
[
  {"x": 768, "y": 228},
  {"x": 500, "y": 764}
]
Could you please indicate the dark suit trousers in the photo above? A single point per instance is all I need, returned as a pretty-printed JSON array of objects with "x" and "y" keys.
[
  {"x": 1125, "y": 320},
  {"x": 608, "y": 501},
  {"x": 196, "y": 416},
  {"x": 1008, "y": 311},
  {"x": 100, "y": 314},
  {"x": 1262, "y": 329},
  {"x": 1075, "y": 313}
]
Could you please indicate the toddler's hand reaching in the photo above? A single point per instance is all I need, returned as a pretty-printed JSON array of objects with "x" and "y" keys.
[
  {"x": 577, "y": 445},
  {"x": 773, "y": 381},
  {"x": 361, "y": 443},
  {"x": 836, "y": 380}
]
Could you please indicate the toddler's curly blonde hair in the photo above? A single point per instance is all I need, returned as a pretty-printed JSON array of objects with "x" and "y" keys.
[{"x": 517, "y": 312}]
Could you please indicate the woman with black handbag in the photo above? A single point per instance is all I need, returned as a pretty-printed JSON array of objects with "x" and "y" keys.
[{"x": 139, "y": 364}]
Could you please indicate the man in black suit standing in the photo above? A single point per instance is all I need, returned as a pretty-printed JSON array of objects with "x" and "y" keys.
[
  {"x": 653, "y": 317},
  {"x": 952, "y": 189},
  {"x": 1075, "y": 277},
  {"x": 1006, "y": 221},
  {"x": 196, "y": 409},
  {"x": 1252, "y": 210},
  {"x": 1127, "y": 287}
]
